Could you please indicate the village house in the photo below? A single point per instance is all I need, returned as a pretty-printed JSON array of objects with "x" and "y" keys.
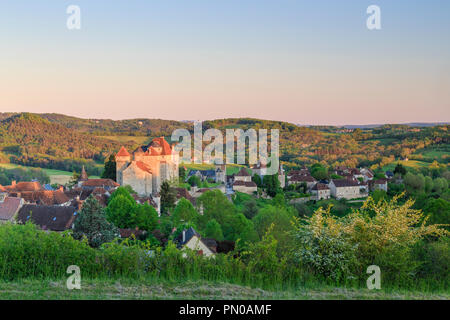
[
  {"x": 302, "y": 178},
  {"x": 33, "y": 192},
  {"x": 148, "y": 167},
  {"x": 320, "y": 191},
  {"x": 367, "y": 174},
  {"x": 9, "y": 207},
  {"x": 345, "y": 189},
  {"x": 192, "y": 240},
  {"x": 379, "y": 184},
  {"x": 243, "y": 182}
]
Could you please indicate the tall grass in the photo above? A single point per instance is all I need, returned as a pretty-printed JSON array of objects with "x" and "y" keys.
[{"x": 29, "y": 253}]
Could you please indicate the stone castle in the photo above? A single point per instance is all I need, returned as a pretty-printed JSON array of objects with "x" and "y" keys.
[{"x": 147, "y": 167}]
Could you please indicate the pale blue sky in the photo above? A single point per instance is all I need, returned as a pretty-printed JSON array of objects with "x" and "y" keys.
[{"x": 309, "y": 62}]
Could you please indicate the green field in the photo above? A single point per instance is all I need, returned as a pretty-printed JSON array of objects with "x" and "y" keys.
[
  {"x": 156, "y": 289},
  {"x": 414, "y": 164},
  {"x": 231, "y": 168},
  {"x": 56, "y": 176}
]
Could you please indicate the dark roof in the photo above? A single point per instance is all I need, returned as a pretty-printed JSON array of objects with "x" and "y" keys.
[
  {"x": 242, "y": 173},
  {"x": 244, "y": 183},
  {"x": 8, "y": 207},
  {"x": 345, "y": 183},
  {"x": 189, "y": 233},
  {"x": 320, "y": 186},
  {"x": 302, "y": 178},
  {"x": 100, "y": 183},
  {"x": 210, "y": 243},
  {"x": 378, "y": 181},
  {"x": 55, "y": 218},
  {"x": 83, "y": 193},
  {"x": 184, "y": 193}
]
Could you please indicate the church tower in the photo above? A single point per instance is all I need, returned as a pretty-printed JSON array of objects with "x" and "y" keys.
[{"x": 123, "y": 159}]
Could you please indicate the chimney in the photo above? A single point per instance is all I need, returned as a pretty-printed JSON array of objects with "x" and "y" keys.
[
  {"x": 61, "y": 188},
  {"x": 13, "y": 183}
]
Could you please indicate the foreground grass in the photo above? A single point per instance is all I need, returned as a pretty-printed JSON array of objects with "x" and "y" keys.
[{"x": 125, "y": 289}]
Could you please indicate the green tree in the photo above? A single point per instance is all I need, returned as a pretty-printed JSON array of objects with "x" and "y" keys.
[
  {"x": 184, "y": 212},
  {"x": 440, "y": 185},
  {"x": 272, "y": 184},
  {"x": 74, "y": 180},
  {"x": 428, "y": 184},
  {"x": 414, "y": 183},
  {"x": 194, "y": 181},
  {"x": 257, "y": 179},
  {"x": 438, "y": 210},
  {"x": 120, "y": 210},
  {"x": 213, "y": 230},
  {"x": 400, "y": 169},
  {"x": 182, "y": 173},
  {"x": 92, "y": 224},
  {"x": 168, "y": 197},
  {"x": 319, "y": 172},
  {"x": 250, "y": 208},
  {"x": 109, "y": 171},
  {"x": 122, "y": 191},
  {"x": 144, "y": 217},
  {"x": 378, "y": 195}
]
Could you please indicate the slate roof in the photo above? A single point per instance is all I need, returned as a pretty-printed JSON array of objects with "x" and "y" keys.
[
  {"x": 244, "y": 183},
  {"x": 320, "y": 186},
  {"x": 242, "y": 173},
  {"x": 210, "y": 243},
  {"x": 339, "y": 183},
  {"x": 55, "y": 218},
  {"x": 302, "y": 178}
]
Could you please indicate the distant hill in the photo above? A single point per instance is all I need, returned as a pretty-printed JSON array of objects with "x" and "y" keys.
[
  {"x": 411, "y": 124},
  {"x": 63, "y": 142}
]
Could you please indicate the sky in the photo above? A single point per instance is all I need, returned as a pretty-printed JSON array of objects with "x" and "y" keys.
[{"x": 306, "y": 62}]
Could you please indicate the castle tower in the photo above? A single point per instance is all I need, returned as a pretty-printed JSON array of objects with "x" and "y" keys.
[{"x": 123, "y": 159}]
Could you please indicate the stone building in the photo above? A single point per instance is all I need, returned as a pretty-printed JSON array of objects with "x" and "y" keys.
[
  {"x": 344, "y": 188},
  {"x": 321, "y": 191},
  {"x": 147, "y": 167},
  {"x": 243, "y": 182}
]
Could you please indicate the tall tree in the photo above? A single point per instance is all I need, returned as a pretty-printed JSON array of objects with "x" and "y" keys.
[
  {"x": 110, "y": 168},
  {"x": 184, "y": 211},
  {"x": 182, "y": 173},
  {"x": 400, "y": 169},
  {"x": 92, "y": 224},
  {"x": 168, "y": 197}
]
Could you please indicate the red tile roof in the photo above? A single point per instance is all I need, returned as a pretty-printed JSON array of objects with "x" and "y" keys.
[
  {"x": 141, "y": 165},
  {"x": 100, "y": 183},
  {"x": 8, "y": 207},
  {"x": 161, "y": 142},
  {"x": 122, "y": 152},
  {"x": 24, "y": 186}
]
